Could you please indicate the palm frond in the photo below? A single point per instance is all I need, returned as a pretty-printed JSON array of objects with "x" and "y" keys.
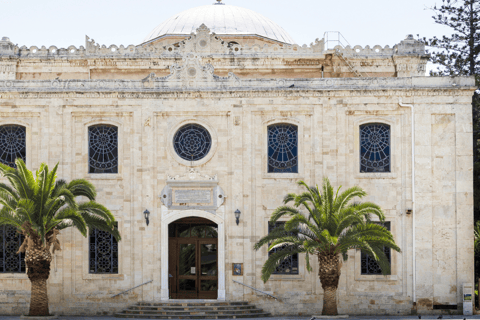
[
  {"x": 276, "y": 258},
  {"x": 95, "y": 209},
  {"x": 283, "y": 211},
  {"x": 70, "y": 216},
  {"x": 82, "y": 187},
  {"x": 6, "y": 189}
]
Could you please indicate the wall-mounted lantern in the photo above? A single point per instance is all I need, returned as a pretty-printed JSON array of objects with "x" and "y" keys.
[
  {"x": 237, "y": 216},
  {"x": 146, "y": 213}
]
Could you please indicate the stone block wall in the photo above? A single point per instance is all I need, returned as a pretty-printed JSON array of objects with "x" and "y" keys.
[{"x": 328, "y": 123}]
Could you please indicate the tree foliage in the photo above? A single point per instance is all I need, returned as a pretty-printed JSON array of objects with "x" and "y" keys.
[
  {"x": 326, "y": 223},
  {"x": 457, "y": 54},
  {"x": 39, "y": 206}
]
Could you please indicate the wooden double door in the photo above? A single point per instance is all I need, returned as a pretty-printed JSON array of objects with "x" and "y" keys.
[{"x": 193, "y": 262}]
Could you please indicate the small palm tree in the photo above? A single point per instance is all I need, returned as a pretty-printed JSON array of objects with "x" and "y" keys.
[
  {"x": 39, "y": 207},
  {"x": 329, "y": 225}
]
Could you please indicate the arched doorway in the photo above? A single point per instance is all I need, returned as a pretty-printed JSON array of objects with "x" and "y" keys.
[{"x": 193, "y": 258}]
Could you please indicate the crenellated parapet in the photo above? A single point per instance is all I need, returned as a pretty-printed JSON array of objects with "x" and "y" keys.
[{"x": 315, "y": 61}]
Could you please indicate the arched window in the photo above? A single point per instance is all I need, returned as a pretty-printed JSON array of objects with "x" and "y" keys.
[
  {"x": 375, "y": 147},
  {"x": 283, "y": 148},
  {"x": 12, "y": 144},
  {"x": 103, "y": 149}
]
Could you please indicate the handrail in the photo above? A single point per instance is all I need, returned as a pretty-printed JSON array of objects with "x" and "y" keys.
[
  {"x": 268, "y": 294},
  {"x": 132, "y": 288}
]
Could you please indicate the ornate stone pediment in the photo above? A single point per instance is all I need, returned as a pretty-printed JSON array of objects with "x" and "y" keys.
[
  {"x": 203, "y": 43},
  {"x": 192, "y": 73}
]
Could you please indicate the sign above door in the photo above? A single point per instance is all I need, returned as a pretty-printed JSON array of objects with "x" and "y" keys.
[{"x": 192, "y": 190}]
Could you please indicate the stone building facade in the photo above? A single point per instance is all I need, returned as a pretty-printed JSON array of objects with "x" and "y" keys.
[{"x": 232, "y": 89}]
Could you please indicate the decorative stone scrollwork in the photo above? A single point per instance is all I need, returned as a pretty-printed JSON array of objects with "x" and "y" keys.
[{"x": 192, "y": 175}]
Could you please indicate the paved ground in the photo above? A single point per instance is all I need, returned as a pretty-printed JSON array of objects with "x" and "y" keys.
[{"x": 283, "y": 318}]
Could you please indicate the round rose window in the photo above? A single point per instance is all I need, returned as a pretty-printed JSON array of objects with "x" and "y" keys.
[{"x": 192, "y": 142}]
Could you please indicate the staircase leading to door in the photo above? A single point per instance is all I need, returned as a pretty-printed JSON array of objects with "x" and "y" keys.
[{"x": 189, "y": 309}]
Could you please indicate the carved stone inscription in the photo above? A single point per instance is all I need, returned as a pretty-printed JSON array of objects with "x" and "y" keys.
[{"x": 192, "y": 196}]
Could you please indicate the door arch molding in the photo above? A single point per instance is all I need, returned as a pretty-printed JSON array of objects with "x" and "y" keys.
[{"x": 180, "y": 214}]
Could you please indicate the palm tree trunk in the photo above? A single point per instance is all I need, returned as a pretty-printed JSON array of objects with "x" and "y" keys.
[
  {"x": 329, "y": 274},
  {"x": 330, "y": 301},
  {"x": 39, "y": 298},
  {"x": 38, "y": 271}
]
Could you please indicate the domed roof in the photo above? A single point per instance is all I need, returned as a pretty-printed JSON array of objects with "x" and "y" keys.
[{"x": 221, "y": 19}]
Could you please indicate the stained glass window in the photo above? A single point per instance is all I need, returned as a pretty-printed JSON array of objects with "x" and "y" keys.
[
  {"x": 12, "y": 144},
  {"x": 103, "y": 149},
  {"x": 369, "y": 265},
  {"x": 192, "y": 142},
  {"x": 283, "y": 148},
  {"x": 289, "y": 265},
  {"x": 10, "y": 260},
  {"x": 103, "y": 252},
  {"x": 375, "y": 147}
]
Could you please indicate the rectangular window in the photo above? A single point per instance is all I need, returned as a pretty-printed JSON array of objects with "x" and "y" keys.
[
  {"x": 10, "y": 260},
  {"x": 369, "y": 265},
  {"x": 103, "y": 253},
  {"x": 290, "y": 264}
]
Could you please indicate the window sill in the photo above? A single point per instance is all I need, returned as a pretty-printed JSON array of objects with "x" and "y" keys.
[
  {"x": 103, "y": 276},
  {"x": 286, "y": 277},
  {"x": 376, "y": 277},
  {"x": 104, "y": 176},
  {"x": 375, "y": 175},
  {"x": 282, "y": 176},
  {"x": 17, "y": 276}
]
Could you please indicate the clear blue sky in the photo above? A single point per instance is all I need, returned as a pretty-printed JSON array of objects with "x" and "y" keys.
[{"x": 66, "y": 22}]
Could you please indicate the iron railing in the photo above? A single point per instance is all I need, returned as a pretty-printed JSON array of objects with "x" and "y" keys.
[
  {"x": 132, "y": 288},
  {"x": 268, "y": 294}
]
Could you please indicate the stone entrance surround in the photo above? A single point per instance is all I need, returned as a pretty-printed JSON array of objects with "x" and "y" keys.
[{"x": 173, "y": 215}]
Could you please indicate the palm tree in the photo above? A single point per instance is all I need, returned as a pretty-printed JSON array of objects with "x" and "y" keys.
[
  {"x": 329, "y": 225},
  {"x": 39, "y": 207}
]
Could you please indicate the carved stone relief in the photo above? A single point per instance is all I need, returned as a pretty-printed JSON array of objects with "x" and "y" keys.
[{"x": 192, "y": 190}]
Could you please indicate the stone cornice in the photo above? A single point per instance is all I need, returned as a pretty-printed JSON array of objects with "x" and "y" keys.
[
  {"x": 294, "y": 94},
  {"x": 203, "y": 80}
]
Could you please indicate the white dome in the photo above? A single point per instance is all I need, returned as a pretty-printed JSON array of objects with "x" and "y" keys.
[{"x": 221, "y": 19}]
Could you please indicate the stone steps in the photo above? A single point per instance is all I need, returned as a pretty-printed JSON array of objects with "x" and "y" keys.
[{"x": 192, "y": 309}]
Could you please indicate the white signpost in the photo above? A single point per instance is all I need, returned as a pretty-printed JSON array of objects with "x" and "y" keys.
[{"x": 467, "y": 299}]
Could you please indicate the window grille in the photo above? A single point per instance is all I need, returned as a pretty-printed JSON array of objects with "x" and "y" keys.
[
  {"x": 192, "y": 142},
  {"x": 103, "y": 252},
  {"x": 375, "y": 147},
  {"x": 10, "y": 242},
  {"x": 12, "y": 144},
  {"x": 369, "y": 265},
  {"x": 103, "y": 149},
  {"x": 289, "y": 265},
  {"x": 283, "y": 148}
]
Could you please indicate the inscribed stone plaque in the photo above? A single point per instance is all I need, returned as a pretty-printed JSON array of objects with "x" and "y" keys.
[{"x": 192, "y": 196}]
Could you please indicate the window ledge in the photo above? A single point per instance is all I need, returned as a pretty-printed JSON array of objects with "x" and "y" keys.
[
  {"x": 104, "y": 176},
  {"x": 19, "y": 276},
  {"x": 375, "y": 277},
  {"x": 375, "y": 175},
  {"x": 103, "y": 276},
  {"x": 282, "y": 176},
  {"x": 286, "y": 277}
]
